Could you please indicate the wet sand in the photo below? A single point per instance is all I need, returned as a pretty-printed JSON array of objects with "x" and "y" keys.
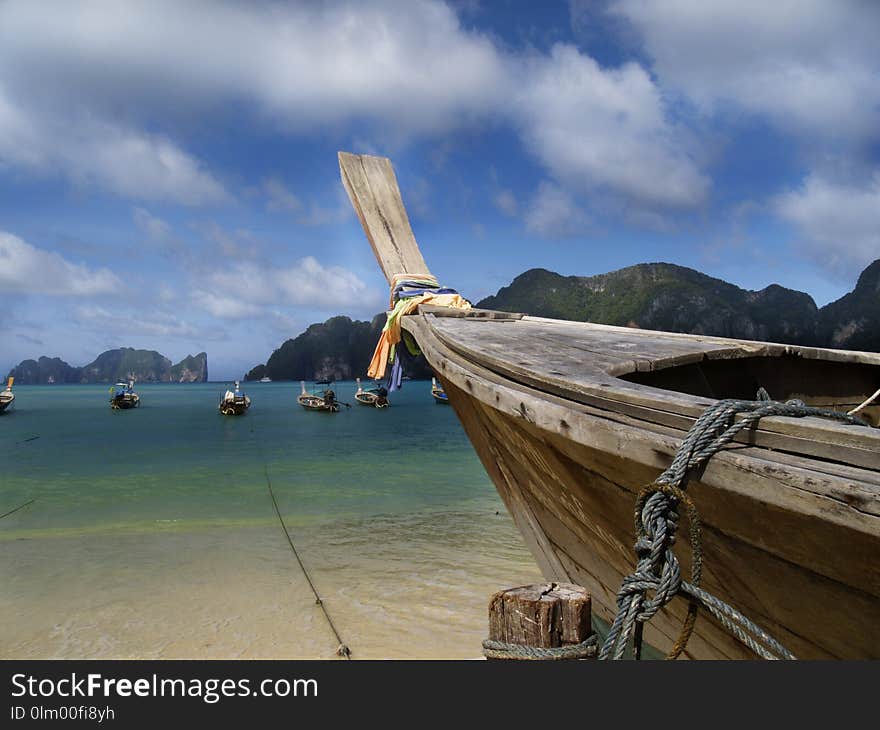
[{"x": 396, "y": 586}]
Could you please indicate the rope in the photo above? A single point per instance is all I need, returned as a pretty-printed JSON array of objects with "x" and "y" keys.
[
  {"x": 656, "y": 521},
  {"x": 502, "y": 650},
  {"x": 21, "y": 506},
  {"x": 870, "y": 400},
  {"x": 342, "y": 648}
]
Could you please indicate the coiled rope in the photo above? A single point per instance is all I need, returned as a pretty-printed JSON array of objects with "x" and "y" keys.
[
  {"x": 502, "y": 650},
  {"x": 656, "y": 520},
  {"x": 342, "y": 648}
]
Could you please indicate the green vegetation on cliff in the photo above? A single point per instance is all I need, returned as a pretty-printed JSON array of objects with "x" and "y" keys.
[{"x": 677, "y": 299}]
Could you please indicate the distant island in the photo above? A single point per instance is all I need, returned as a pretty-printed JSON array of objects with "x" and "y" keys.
[
  {"x": 124, "y": 363},
  {"x": 672, "y": 298},
  {"x": 338, "y": 349}
]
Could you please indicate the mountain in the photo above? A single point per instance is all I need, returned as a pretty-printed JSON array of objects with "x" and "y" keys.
[
  {"x": 192, "y": 369},
  {"x": 338, "y": 349},
  {"x": 677, "y": 299},
  {"x": 853, "y": 321},
  {"x": 45, "y": 370},
  {"x": 125, "y": 363}
]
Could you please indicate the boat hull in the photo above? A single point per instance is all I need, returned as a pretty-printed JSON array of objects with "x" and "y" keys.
[
  {"x": 314, "y": 403},
  {"x": 570, "y": 479},
  {"x": 233, "y": 409},
  {"x": 125, "y": 402}
]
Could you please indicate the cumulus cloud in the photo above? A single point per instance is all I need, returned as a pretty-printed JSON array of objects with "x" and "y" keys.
[
  {"x": 97, "y": 152},
  {"x": 554, "y": 214},
  {"x": 405, "y": 69},
  {"x": 840, "y": 223},
  {"x": 30, "y": 270},
  {"x": 606, "y": 129},
  {"x": 410, "y": 64},
  {"x": 811, "y": 65},
  {"x": 248, "y": 289}
]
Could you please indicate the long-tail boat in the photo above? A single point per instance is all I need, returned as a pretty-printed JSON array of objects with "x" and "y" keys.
[
  {"x": 438, "y": 393},
  {"x": 325, "y": 402},
  {"x": 572, "y": 419},
  {"x": 234, "y": 402},
  {"x": 6, "y": 395},
  {"x": 123, "y": 397},
  {"x": 372, "y": 397}
]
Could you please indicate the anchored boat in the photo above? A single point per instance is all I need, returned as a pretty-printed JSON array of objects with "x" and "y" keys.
[
  {"x": 123, "y": 397},
  {"x": 571, "y": 420},
  {"x": 374, "y": 397},
  {"x": 234, "y": 402},
  {"x": 438, "y": 393},
  {"x": 7, "y": 396},
  {"x": 325, "y": 401}
]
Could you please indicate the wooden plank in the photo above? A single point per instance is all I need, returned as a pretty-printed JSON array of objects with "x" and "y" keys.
[
  {"x": 568, "y": 374},
  {"x": 372, "y": 187},
  {"x": 471, "y": 313}
]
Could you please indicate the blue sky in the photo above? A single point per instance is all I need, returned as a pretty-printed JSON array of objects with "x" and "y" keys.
[{"x": 168, "y": 173}]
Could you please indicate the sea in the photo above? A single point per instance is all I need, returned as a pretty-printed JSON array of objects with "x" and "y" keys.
[{"x": 151, "y": 533}]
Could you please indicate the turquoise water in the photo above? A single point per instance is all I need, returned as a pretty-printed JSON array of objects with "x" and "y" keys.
[{"x": 152, "y": 532}]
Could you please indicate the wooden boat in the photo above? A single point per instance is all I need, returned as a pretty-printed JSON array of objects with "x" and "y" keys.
[
  {"x": 438, "y": 393},
  {"x": 123, "y": 397},
  {"x": 326, "y": 401},
  {"x": 373, "y": 397},
  {"x": 571, "y": 419},
  {"x": 234, "y": 402},
  {"x": 7, "y": 396}
]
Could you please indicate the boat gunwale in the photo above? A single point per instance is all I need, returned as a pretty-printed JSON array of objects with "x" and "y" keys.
[{"x": 861, "y": 442}]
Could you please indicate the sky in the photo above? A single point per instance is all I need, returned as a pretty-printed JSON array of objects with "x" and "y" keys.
[{"x": 169, "y": 175}]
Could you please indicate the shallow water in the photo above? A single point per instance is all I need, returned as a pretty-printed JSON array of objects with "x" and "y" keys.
[{"x": 152, "y": 533}]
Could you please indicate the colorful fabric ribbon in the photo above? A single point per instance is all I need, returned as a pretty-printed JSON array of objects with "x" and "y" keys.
[{"x": 408, "y": 291}]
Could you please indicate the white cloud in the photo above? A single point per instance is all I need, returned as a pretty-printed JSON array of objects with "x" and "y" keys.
[
  {"x": 279, "y": 198},
  {"x": 95, "y": 152},
  {"x": 396, "y": 69},
  {"x": 554, "y": 214},
  {"x": 407, "y": 64},
  {"x": 809, "y": 65},
  {"x": 606, "y": 129},
  {"x": 153, "y": 227},
  {"x": 505, "y": 201},
  {"x": 154, "y": 324},
  {"x": 840, "y": 222},
  {"x": 27, "y": 269},
  {"x": 250, "y": 289}
]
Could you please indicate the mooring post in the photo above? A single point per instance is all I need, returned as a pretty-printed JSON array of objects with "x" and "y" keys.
[{"x": 540, "y": 621}]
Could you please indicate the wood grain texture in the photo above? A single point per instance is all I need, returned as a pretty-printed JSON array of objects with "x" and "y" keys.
[
  {"x": 543, "y": 615},
  {"x": 372, "y": 187}
]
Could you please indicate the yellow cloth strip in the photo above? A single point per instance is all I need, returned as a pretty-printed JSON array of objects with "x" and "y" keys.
[{"x": 391, "y": 331}]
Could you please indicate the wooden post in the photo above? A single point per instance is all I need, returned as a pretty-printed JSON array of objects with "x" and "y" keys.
[{"x": 543, "y": 616}]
